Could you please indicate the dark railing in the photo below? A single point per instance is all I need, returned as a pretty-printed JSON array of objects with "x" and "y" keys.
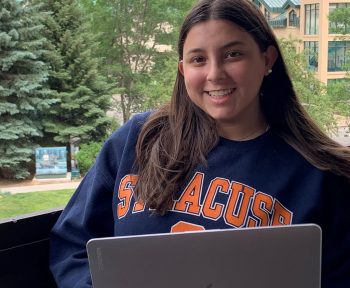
[
  {"x": 283, "y": 22},
  {"x": 24, "y": 250},
  {"x": 278, "y": 23}
]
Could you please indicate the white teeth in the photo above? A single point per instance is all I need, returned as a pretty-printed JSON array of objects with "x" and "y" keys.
[{"x": 220, "y": 92}]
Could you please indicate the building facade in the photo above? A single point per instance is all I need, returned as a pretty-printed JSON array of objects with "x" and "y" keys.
[{"x": 308, "y": 20}]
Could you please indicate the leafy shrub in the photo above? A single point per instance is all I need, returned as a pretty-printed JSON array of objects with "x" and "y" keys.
[{"x": 87, "y": 155}]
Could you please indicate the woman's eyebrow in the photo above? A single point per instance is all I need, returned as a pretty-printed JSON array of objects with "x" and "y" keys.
[
  {"x": 225, "y": 46},
  {"x": 195, "y": 50},
  {"x": 233, "y": 43}
]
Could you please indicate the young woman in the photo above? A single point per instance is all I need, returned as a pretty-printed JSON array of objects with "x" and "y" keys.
[{"x": 234, "y": 148}]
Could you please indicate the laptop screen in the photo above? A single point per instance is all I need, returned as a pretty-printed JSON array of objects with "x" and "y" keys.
[{"x": 274, "y": 257}]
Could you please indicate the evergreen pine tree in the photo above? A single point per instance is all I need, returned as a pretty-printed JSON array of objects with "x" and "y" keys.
[
  {"x": 83, "y": 93},
  {"x": 23, "y": 98}
]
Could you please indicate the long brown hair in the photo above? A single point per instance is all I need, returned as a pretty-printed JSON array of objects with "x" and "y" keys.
[{"x": 178, "y": 136}]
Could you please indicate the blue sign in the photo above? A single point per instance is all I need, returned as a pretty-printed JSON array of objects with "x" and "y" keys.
[{"x": 51, "y": 160}]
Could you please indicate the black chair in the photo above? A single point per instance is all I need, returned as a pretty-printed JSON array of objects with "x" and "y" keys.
[{"x": 24, "y": 250}]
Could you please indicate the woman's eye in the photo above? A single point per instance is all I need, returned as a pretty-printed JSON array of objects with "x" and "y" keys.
[
  {"x": 233, "y": 54},
  {"x": 198, "y": 59}
]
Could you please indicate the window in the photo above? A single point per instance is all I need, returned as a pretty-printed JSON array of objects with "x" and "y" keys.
[
  {"x": 312, "y": 13},
  {"x": 338, "y": 55},
  {"x": 267, "y": 14},
  {"x": 334, "y": 27},
  {"x": 311, "y": 48},
  {"x": 257, "y": 3},
  {"x": 293, "y": 19}
]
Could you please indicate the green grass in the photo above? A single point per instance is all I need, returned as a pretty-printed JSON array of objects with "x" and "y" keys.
[{"x": 22, "y": 203}]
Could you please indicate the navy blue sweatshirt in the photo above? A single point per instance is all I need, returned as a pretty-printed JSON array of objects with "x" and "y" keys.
[{"x": 257, "y": 182}]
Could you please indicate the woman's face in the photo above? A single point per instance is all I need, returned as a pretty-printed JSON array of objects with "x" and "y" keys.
[{"x": 223, "y": 69}]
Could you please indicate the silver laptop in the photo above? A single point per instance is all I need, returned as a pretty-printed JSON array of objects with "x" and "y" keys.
[{"x": 271, "y": 257}]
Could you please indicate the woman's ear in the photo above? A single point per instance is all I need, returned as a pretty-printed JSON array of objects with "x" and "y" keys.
[
  {"x": 271, "y": 55},
  {"x": 181, "y": 67}
]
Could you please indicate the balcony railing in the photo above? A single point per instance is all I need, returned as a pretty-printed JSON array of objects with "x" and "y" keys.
[{"x": 24, "y": 250}]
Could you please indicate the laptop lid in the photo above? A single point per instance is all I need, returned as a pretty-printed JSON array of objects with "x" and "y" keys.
[{"x": 273, "y": 257}]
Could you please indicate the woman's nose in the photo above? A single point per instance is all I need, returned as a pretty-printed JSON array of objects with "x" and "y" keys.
[{"x": 216, "y": 72}]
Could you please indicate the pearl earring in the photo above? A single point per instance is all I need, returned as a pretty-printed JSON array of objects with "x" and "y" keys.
[{"x": 269, "y": 71}]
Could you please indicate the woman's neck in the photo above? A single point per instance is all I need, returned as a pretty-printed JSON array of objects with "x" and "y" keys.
[{"x": 239, "y": 131}]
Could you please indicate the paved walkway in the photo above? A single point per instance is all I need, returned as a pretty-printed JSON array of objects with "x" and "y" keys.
[{"x": 39, "y": 185}]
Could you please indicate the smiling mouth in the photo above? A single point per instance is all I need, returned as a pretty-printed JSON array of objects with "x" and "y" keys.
[{"x": 220, "y": 93}]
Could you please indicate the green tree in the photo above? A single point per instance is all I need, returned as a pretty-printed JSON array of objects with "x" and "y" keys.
[
  {"x": 83, "y": 93},
  {"x": 136, "y": 39},
  {"x": 157, "y": 87},
  {"x": 311, "y": 91},
  {"x": 87, "y": 155},
  {"x": 339, "y": 91},
  {"x": 23, "y": 98}
]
